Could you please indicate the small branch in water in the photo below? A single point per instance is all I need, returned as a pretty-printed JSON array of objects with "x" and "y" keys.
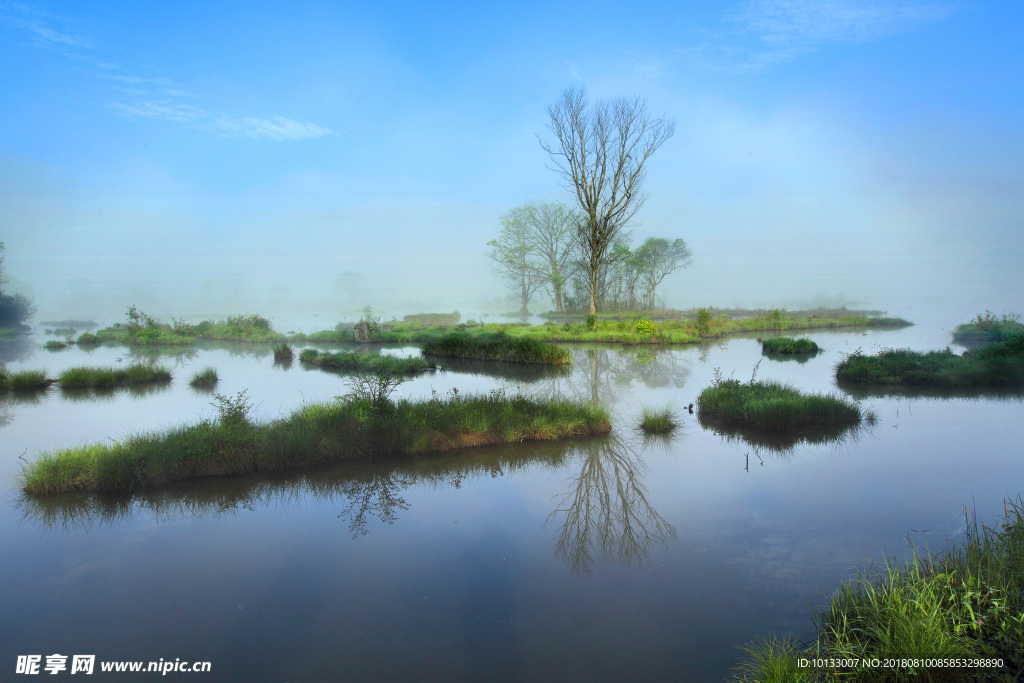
[{"x": 22, "y": 456}]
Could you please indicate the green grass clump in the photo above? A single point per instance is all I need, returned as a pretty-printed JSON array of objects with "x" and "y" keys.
[
  {"x": 965, "y": 602},
  {"x": 363, "y": 362},
  {"x": 87, "y": 338},
  {"x": 8, "y": 332},
  {"x": 26, "y": 380},
  {"x": 205, "y": 378},
  {"x": 785, "y": 346},
  {"x": 434, "y": 318},
  {"x": 112, "y": 378},
  {"x": 995, "y": 365},
  {"x": 315, "y": 434},
  {"x": 988, "y": 329},
  {"x": 500, "y": 347},
  {"x": 772, "y": 407},
  {"x": 327, "y": 336},
  {"x": 283, "y": 354},
  {"x": 54, "y": 345},
  {"x": 658, "y": 420}
]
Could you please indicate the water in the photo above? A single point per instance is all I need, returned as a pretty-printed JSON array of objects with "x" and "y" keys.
[{"x": 600, "y": 559}]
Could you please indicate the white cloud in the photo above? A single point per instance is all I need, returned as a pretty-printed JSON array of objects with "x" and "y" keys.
[
  {"x": 36, "y": 22},
  {"x": 807, "y": 23},
  {"x": 278, "y": 128},
  {"x": 160, "y": 110},
  {"x": 160, "y": 97}
]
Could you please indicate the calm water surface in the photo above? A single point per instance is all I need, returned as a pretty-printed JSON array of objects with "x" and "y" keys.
[{"x": 601, "y": 559}]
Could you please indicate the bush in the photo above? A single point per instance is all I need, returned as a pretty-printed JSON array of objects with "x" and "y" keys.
[{"x": 703, "y": 323}]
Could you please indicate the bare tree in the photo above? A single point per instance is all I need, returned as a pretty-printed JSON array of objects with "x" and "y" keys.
[
  {"x": 513, "y": 256},
  {"x": 600, "y": 151},
  {"x": 656, "y": 258}
]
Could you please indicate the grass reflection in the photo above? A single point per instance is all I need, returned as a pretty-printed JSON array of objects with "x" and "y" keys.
[{"x": 367, "y": 490}]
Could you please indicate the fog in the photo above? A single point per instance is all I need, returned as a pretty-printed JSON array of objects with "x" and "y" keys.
[{"x": 869, "y": 158}]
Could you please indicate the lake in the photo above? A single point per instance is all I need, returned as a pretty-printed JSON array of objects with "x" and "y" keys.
[{"x": 603, "y": 559}]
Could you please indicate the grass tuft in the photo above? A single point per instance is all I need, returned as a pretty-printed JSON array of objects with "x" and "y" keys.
[
  {"x": 112, "y": 378},
  {"x": 204, "y": 379},
  {"x": 786, "y": 346},
  {"x": 27, "y": 380},
  {"x": 500, "y": 347},
  {"x": 658, "y": 420},
  {"x": 315, "y": 434},
  {"x": 360, "y": 362},
  {"x": 283, "y": 354},
  {"x": 54, "y": 345},
  {"x": 773, "y": 407}
]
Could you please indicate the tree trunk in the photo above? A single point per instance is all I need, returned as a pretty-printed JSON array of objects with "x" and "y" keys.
[{"x": 593, "y": 291}]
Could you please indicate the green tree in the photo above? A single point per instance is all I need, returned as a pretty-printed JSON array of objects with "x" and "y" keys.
[
  {"x": 513, "y": 256},
  {"x": 655, "y": 259}
]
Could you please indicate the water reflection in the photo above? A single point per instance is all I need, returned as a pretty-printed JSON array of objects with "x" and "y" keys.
[
  {"x": 784, "y": 444},
  {"x": 860, "y": 391},
  {"x": 364, "y": 490},
  {"x": 524, "y": 373},
  {"x": 601, "y": 374},
  {"x": 103, "y": 394},
  {"x": 605, "y": 514},
  {"x": 800, "y": 358},
  {"x": 19, "y": 348}
]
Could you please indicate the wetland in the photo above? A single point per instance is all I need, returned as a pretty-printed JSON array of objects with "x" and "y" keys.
[{"x": 675, "y": 546}]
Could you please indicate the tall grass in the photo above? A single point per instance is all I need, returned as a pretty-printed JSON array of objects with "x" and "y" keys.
[
  {"x": 204, "y": 379},
  {"x": 25, "y": 380},
  {"x": 54, "y": 345},
  {"x": 964, "y": 602},
  {"x": 500, "y": 347},
  {"x": 785, "y": 346},
  {"x": 658, "y": 420},
  {"x": 773, "y": 407},
  {"x": 317, "y": 433},
  {"x": 110, "y": 378},
  {"x": 996, "y": 365},
  {"x": 358, "y": 362}
]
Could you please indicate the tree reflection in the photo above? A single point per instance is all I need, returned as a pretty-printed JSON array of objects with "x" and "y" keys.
[
  {"x": 603, "y": 374},
  {"x": 606, "y": 512},
  {"x": 378, "y": 496}
]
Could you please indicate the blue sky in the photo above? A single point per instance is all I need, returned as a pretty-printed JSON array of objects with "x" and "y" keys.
[{"x": 314, "y": 157}]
